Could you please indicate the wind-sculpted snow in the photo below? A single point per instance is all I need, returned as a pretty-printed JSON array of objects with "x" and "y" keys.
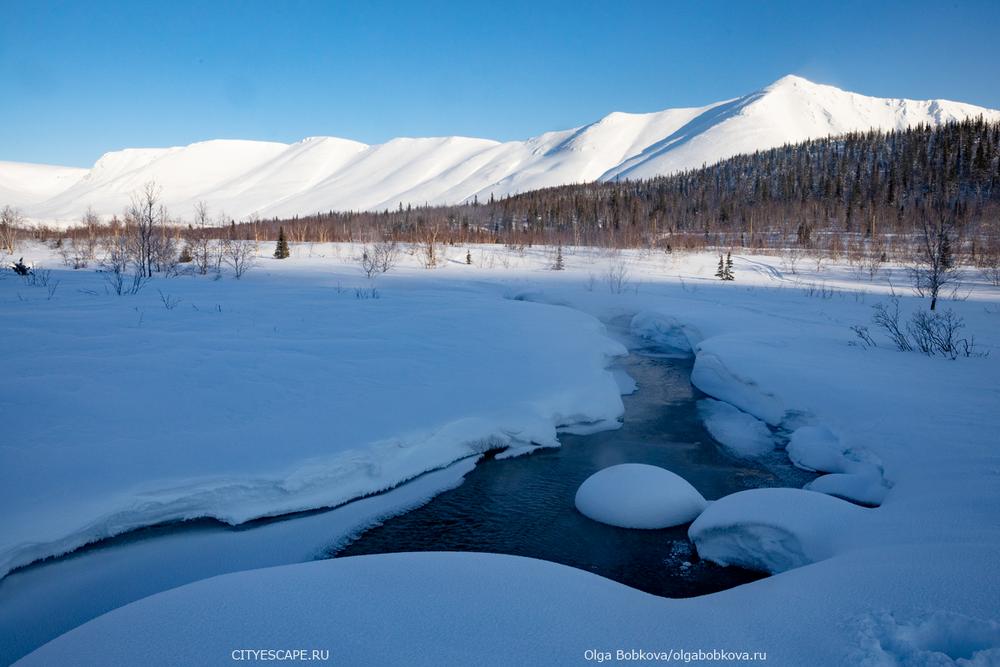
[
  {"x": 318, "y": 174},
  {"x": 267, "y": 396},
  {"x": 773, "y": 529}
]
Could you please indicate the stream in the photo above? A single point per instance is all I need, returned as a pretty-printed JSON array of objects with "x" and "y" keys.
[{"x": 522, "y": 506}]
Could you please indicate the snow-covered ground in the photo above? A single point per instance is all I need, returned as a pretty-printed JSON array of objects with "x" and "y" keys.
[{"x": 283, "y": 391}]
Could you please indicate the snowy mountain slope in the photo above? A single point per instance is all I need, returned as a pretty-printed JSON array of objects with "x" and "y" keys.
[
  {"x": 790, "y": 110},
  {"x": 327, "y": 173},
  {"x": 23, "y": 183}
]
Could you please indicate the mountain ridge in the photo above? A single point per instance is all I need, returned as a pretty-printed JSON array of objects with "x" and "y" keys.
[{"x": 243, "y": 177}]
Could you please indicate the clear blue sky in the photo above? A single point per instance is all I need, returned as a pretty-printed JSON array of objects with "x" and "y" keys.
[{"x": 81, "y": 78}]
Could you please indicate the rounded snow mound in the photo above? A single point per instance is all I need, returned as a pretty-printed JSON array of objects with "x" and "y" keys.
[{"x": 636, "y": 495}]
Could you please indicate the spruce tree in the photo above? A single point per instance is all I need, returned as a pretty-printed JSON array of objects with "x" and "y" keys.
[
  {"x": 468, "y": 257},
  {"x": 558, "y": 266},
  {"x": 281, "y": 250},
  {"x": 729, "y": 267},
  {"x": 720, "y": 273}
]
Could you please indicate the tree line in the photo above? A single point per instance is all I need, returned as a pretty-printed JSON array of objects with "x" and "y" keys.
[{"x": 864, "y": 191}]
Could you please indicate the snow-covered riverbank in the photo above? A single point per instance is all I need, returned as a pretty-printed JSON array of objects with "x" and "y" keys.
[{"x": 910, "y": 579}]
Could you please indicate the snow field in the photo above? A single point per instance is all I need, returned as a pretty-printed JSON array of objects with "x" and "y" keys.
[{"x": 906, "y": 582}]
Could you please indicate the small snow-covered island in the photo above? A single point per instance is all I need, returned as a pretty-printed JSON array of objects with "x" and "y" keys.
[{"x": 713, "y": 384}]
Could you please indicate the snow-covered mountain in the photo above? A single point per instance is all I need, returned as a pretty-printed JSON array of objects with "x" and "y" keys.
[{"x": 327, "y": 173}]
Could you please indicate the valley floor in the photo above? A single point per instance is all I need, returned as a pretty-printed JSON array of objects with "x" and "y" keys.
[{"x": 290, "y": 390}]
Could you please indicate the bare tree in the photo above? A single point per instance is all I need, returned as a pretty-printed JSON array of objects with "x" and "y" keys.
[
  {"x": 10, "y": 220},
  {"x": 115, "y": 266},
  {"x": 617, "y": 275},
  {"x": 934, "y": 265},
  {"x": 142, "y": 218},
  {"x": 239, "y": 254},
  {"x": 428, "y": 246},
  {"x": 203, "y": 247},
  {"x": 988, "y": 259},
  {"x": 379, "y": 257}
]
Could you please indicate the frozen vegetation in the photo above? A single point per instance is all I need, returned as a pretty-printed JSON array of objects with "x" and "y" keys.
[{"x": 285, "y": 390}]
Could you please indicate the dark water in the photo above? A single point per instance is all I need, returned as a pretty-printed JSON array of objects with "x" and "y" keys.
[{"x": 524, "y": 506}]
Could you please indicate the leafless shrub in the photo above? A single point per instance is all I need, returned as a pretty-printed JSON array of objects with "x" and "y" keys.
[
  {"x": 169, "y": 302},
  {"x": 864, "y": 335},
  {"x": 38, "y": 277},
  {"x": 888, "y": 320},
  {"x": 369, "y": 292},
  {"x": 205, "y": 251},
  {"x": 873, "y": 257},
  {"x": 988, "y": 260},
  {"x": 428, "y": 247},
  {"x": 74, "y": 255},
  {"x": 791, "y": 256},
  {"x": 115, "y": 266},
  {"x": 617, "y": 275},
  {"x": 820, "y": 291},
  {"x": 379, "y": 257},
  {"x": 938, "y": 333},
  {"x": 932, "y": 333},
  {"x": 239, "y": 255}
]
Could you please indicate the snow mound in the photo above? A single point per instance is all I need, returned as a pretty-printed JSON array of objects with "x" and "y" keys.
[
  {"x": 636, "y": 495},
  {"x": 741, "y": 434},
  {"x": 857, "y": 474},
  {"x": 817, "y": 449},
  {"x": 866, "y": 487},
  {"x": 714, "y": 377},
  {"x": 772, "y": 530}
]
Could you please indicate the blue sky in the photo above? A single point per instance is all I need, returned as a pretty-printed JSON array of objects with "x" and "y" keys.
[{"x": 79, "y": 79}]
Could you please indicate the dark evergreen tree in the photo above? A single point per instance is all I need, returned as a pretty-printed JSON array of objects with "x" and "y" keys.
[
  {"x": 281, "y": 250},
  {"x": 728, "y": 272},
  {"x": 720, "y": 273},
  {"x": 468, "y": 257},
  {"x": 558, "y": 265}
]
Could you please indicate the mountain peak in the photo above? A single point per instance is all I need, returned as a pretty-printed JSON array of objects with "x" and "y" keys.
[{"x": 791, "y": 81}]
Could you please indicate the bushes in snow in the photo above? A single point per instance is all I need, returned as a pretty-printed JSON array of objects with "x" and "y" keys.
[
  {"x": 930, "y": 332},
  {"x": 239, "y": 255},
  {"x": 379, "y": 257}
]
